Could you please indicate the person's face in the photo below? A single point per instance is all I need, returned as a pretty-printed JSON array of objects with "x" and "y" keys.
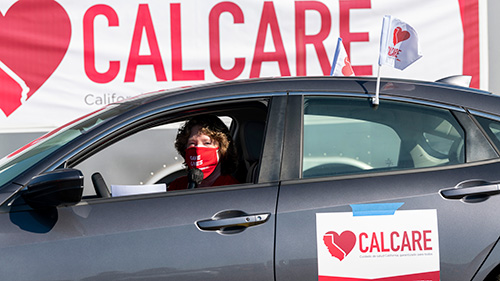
[{"x": 197, "y": 138}]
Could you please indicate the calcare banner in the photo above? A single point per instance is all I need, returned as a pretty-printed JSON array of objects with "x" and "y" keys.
[{"x": 62, "y": 59}]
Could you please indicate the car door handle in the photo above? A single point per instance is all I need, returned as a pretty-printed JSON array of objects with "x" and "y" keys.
[
  {"x": 232, "y": 221},
  {"x": 481, "y": 189}
]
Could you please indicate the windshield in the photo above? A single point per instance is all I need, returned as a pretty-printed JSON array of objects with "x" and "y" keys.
[{"x": 25, "y": 157}]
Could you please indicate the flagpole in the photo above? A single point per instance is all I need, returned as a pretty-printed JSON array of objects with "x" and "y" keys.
[{"x": 375, "y": 100}]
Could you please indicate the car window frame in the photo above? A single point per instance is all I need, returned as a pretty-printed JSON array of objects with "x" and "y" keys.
[{"x": 269, "y": 171}]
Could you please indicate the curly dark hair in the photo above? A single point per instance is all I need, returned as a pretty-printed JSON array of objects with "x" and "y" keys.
[{"x": 213, "y": 127}]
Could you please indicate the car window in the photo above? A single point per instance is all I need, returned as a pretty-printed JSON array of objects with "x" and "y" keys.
[
  {"x": 139, "y": 161},
  {"x": 144, "y": 158},
  {"x": 147, "y": 161},
  {"x": 492, "y": 128},
  {"x": 346, "y": 135}
]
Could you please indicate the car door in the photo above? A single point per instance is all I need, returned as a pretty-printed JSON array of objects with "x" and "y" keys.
[
  {"x": 407, "y": 190},
  {"x": 224, "y": 233}
]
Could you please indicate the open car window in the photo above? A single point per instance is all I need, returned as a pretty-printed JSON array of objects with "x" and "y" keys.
[
  {"x": 145, "y": 158},
  {"x": 147, "y": 161},
  {"x": 347, "y": 136}
]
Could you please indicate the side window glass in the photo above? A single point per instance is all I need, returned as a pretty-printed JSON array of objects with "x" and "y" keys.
[
  {"x": 347, "y": 145},
  {"x": 346, "y": 136},
  {"x": 492, "y": 128}
]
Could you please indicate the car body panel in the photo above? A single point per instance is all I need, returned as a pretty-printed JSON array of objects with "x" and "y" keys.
[
  {"x": 141, "y": 237},
  {"x": 300, "y": 201}
]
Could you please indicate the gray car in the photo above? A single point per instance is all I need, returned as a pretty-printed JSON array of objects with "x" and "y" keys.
[{"x": 331, "y": 187}]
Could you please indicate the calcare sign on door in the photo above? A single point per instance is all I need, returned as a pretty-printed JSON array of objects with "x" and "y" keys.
[{"x": 377, "y": 242}]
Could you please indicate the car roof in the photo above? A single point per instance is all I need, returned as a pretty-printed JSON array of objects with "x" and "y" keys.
[{"x": 413, "y": 89}]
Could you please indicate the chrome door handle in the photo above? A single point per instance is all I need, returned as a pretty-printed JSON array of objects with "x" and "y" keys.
[
  {"x": 471, "y": 189},
  {"x": 232, "y": 221}
]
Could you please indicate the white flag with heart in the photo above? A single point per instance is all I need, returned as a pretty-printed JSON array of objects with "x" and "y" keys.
[
  {"x": 341, "y": 66},
  {"x": 398, "y": 44}
]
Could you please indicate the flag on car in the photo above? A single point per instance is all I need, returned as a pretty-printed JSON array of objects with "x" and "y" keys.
[
  {"x": 398, "y": 44},
  {"x": 398, "y": 48},
  {"x": 341, "y": 66}
]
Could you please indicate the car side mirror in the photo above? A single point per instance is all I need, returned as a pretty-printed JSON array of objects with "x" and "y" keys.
[{"x": 55, "y": 188}]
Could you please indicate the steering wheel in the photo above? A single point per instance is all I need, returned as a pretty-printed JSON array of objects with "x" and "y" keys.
[{"x": 336, "y": 166}]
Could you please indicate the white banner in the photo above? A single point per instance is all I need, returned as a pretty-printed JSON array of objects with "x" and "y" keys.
[{"x": 61, "y": 59}]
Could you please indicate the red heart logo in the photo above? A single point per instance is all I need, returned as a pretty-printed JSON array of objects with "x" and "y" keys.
[
  {"x": 347, "y": 69},
  {"x": 341, "y": 245},
  {"x": 400, "y": 35},
  {"x": 35, "y": 35}
]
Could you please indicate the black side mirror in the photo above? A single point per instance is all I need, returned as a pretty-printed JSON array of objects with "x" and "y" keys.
[{"x": 52, "y": 189}]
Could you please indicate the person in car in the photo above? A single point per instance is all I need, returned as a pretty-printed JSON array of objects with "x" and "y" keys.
[{"x": 206, "y": 144}]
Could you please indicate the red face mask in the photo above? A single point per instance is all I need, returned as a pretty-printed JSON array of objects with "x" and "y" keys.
[{"x": 203, "y": 158}]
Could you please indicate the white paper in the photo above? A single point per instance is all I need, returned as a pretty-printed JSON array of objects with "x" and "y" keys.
[{"x": 125, "y": 190}]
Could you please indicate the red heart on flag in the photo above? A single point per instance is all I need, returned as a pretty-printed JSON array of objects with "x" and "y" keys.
[
  {"x": 35, "y": 35},
  {"x": 341, "y": 245},
  {"x": 400, "y": 35},
  {"x": 347, "y": 69}
]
